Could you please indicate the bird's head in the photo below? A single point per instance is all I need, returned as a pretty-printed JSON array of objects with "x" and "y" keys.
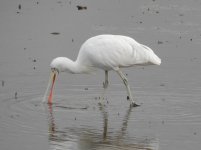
[{"x": 59, "y": 64}]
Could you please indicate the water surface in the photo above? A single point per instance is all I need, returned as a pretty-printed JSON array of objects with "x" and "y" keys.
[{"x": 169, "y": 116}]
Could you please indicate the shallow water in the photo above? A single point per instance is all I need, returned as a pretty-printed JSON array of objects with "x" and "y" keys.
[
  {"x": 169, "y": 116},
  {"x": 76, "y": 121}
]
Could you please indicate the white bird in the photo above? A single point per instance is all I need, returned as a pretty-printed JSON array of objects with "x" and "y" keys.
[{"x": 106, "y": 52}]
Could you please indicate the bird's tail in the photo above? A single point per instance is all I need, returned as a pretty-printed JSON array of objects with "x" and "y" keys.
[{"x": 155, "y": 59}]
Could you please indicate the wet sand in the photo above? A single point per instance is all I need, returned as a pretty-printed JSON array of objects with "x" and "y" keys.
[{"x": 32, "y": 33}]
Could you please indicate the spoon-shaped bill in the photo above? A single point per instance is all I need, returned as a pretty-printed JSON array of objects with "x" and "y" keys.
[{"x": 50, "y": 88}]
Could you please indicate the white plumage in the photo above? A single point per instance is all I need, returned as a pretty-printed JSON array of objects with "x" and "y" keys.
[{"x": 108, "y": 52}]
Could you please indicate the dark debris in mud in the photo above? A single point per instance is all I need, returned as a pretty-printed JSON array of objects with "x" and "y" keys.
[
  {"x": 16, "y": 95},
  {"x": 162, "y": 84},
  {"x": 2, "y": 83},
  {"x": 14, "y": 116},
  {"x": 19, "y": 6},
  {"x": 79, "y": 7},
  {"x": 55, "y": 33},
  {"x": 160, "y": 42}
]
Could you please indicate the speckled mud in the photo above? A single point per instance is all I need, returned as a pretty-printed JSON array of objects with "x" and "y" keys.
[{"x": 32, "y": 33}]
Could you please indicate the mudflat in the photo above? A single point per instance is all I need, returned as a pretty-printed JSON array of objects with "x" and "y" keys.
[{"x": 32, "y": 33}]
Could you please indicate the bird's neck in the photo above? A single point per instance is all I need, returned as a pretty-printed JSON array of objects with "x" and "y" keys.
[{"x": 75, "y": 67}]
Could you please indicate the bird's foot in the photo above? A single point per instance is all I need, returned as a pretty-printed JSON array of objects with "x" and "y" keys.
[{"x": 134, "y": 105}]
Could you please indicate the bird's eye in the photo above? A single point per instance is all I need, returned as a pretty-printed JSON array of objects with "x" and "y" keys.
[{"x": 55, "y": 70}]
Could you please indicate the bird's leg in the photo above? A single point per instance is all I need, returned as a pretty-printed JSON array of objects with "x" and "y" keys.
[
  {"x": 125, "y": 81},
  {"x": 105, "y": 85}
]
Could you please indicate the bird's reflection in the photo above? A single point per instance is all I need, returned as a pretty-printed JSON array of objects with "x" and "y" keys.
[
  {"x": 121, "y": 133},
  {"x": 86, "y": 139},
  {"x": 51, "y": 123}
]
